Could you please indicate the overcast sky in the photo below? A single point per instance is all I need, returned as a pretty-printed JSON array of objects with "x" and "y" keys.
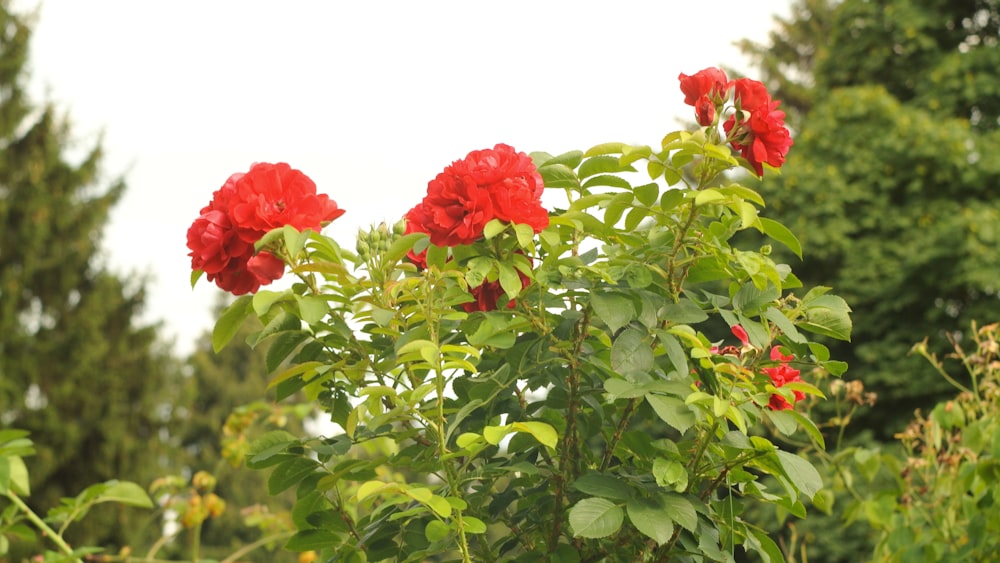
[{"x": 370, "y": 99}]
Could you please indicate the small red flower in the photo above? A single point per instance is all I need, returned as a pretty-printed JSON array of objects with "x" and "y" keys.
[
  {"x": 780, "y": 375},
  {"x": 704, "y": 90},
  {"x": 758, "y": 129},
  {"x": 741, "y": 333}
]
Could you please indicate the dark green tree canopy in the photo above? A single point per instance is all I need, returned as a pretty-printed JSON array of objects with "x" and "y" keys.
[
  {"x": 893, "y": 181},
  {"x": 76, "y": 369}
]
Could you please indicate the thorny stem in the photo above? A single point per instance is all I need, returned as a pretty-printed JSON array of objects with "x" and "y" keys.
[
  {"x": 630, "y": 409},
  {"x": 570, "y": 456},
  {"x": 41, "y": 525},
  {"x": 430, "y": 314}
]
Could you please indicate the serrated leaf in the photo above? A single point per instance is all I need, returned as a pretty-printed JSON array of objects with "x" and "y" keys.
[
  {"x": 473, "y": 525},
  {"x": 780, "y": 233},
  {"x": 312, "y": 308},
  {"x": 559, "y": 176},
  {"x": 649, "y": 517},
  {"x": 602, "y": 485},
  {"x": 401, "y": 246},
  {"x": 605, "y": 148},
  {"x": 290, "y": 473},
  {"x": 602, "y": 164},
  {"x": 264, "y": 299},
  {"x": 230, "y": 321},
  {"x": 802, "y": 474},
  {"x": 125, "y": 492},
  {"x": 647, "y": 194},
  {"x": 436, "y": 530},
  {"x": 313, "y": 539},
  {"x": 543, "y": 432},
  {"x": 708, "y": 196},
  {"x": 493, "y": 228},
  {"x": 680, "y": 510},
  {"x": 595, "y": 518},
  {"x": 615, "y": 310},
  {"x": 630, "y": 353},
  {"x": 673, "y": 411},
  {"x": 283, "y": 345}
]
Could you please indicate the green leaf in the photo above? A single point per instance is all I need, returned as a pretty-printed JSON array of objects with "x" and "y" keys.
[
  {"x": 283, "y": 345},
  {"x": 125, "y": 492},
  {"x": 787, "y": 327},
  {"x": 569, "y": 159},
  {"x": 649, "y": 517},
  {"x": 595, "y": 518},
  {"x": 264, "y": 299},
  {"x": 602, "y": 485},
  {"x": 801, "y": 473},
  {"x": 670, "y": 474},
  {"x": 290, "y": 472},
  {"x": 605, "y": 148},
  {"x": 684, "y": 311},
  {"x": 436, "y": 530},
  {"x": 559, "y": 176},
  {"x": 401, "y": 246},
  {"x": 493, "y": 228},
  {"x": 525, "y": 235},
  {"x": 195, "y": 276},
  {"x": 647, "y": 193},
  {"x": 602, "y": 164},
  {"x": 680, "y": 510},
  {"x": 780, "y": 233},
  {"x": 312, "y": 539},
  {"x": 543, "y": 432},
  {"x": 510, "y": 281},
  {"x": 630, "y": 353},
  {"x": 607, "y": 180},
  {"x": 614, "y": 309},
  {"x": 18, "y": 474},
  {"x": 312, "y": 308},
  {"x": 473, "y": 525},
  {"x": 294, "y": 239},
  {"x": 759, "y": 541},
  {"x": 230, "y": 321},
  {"x": 708, "y": 196},
  {"x": 673, "y": 411},
  {"x": 828, "y": 315}
]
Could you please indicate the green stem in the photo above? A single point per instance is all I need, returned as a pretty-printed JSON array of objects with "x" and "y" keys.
[
  {"x": 430, "y": 314},
  {"x": 41, "y": 525},
  {"x": 196, "y": 544},
  {"x": 250, "y": 547}
]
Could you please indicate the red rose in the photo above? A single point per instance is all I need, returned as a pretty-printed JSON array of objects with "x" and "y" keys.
[
  {"x": 704, "y": 90},
  {"x": 270, "y": 196},
  {"x": 760, "y": 133},
  {"x": 248, "y": 205},
  {"x": 781, "y": 375},
  {"x": 497, "y": 183}
]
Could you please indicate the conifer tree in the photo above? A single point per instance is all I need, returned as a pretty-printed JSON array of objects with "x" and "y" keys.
[
  {"x": 892, "y": 182},
  {"x": 76, "y": 368}
]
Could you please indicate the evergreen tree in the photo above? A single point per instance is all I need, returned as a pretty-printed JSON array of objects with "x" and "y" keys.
[
  {"x": 892, "y": 181},
  {"x": 75, "y": 368}
]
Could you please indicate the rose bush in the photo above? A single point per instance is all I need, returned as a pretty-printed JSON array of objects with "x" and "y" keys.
[{"x": 515, "y": 383}]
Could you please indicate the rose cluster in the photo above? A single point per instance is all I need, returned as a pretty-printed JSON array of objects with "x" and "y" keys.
[
  {"x": 755, "y": 127},
  {"x": 780, "y": 375},
  {"x": 498, "y": 183},
  {"x": 241, "y": 212}
]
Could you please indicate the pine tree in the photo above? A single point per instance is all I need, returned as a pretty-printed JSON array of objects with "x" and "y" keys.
[
  {"x": 76, "y": 369},
  {"x": 891, "y": 184}
]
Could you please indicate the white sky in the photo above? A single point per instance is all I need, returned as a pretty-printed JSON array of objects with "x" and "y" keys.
[{"x": 370, "y": 99}]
